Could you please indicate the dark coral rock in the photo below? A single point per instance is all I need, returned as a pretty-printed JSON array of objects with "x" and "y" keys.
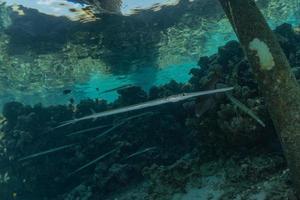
[
  {"x": 244, "y": 75},
  {"x": 88, "y": 106},
  {"x": 81, "y": 192},
  {"x": 167, "y": 180},
  {"x": 255, "y": 168},
  {"x": 231, "y": 51},
  {"x": 154, "y": 92},
  {"x": 226, "y": 125},
  {"x": 131, "y": 95},
  {"x": 115, "y": 177},
  {"x": 204, "y": 62},
  {"x": 56, "y": 114},
  {"x": 289, "y": 41},
  {"x": 120, "y": 176},
  {"x": 286, "y": 30},
  {"x": 27, "y": 122},
  {"x": 196, "y": 72},
  {"x": 12, "y": 110},
  {"x": 168, "y": 89}
]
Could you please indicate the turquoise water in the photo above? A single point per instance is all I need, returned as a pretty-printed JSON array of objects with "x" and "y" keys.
[
  {"x": 149, "y": 76},
  {"x": 145, "y": 77},
  {"x": 172, "y": 142},
  {"x": 175, "y": 57}
]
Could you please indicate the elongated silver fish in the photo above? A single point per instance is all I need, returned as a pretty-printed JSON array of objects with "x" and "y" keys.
[
  {"x": 245, "y": 109},
  {"x": 140, "y": 152},
  {"x": 93, "y": 161},
  {"x": 120, "y": 124},
  {"x": 87, "y": 130},
  {"x": 148, "y": 104},
  {"x": 47, "y": 152}
]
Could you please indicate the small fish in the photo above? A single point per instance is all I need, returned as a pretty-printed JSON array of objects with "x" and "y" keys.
[
  {"x": 118, "y": 88},
  {"x": 148, "y": 104},
  {"x": 67, "y": 91}
]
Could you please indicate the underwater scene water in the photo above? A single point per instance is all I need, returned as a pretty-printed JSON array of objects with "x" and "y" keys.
[{"x": 138, "y": 100}]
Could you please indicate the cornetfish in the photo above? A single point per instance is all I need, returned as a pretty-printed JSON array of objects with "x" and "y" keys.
[{"x": 152, "y": 103}]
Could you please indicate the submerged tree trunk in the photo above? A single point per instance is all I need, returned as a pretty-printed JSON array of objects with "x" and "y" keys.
[{"x": 273, "y": 73}]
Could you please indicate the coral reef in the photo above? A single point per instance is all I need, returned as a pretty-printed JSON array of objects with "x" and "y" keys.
[
  {"x": 205, "y": 145},
  {"x": 28, "y": 130}
]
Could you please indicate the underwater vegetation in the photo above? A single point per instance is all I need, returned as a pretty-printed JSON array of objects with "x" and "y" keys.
[{"x": 221, "y": 146}]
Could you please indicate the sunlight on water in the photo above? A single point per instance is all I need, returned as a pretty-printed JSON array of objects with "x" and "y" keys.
[
  {"x": 155, "y": 54},
  {"x": 62, "y": 7},
  {"x": 130, "y": 6},
  {"x": 49, "y": 7}
]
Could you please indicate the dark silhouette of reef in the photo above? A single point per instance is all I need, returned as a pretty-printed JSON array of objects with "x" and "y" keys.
[{"x": 222, "y": 140}]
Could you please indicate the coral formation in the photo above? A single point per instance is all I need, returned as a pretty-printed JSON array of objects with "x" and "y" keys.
[{"x": 208, "y": 144}]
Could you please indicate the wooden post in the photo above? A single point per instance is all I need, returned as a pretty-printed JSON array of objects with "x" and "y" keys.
[{"x": 273, "y": 73}]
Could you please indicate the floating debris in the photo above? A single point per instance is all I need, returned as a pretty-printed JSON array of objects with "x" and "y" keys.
[
  {"x": 93, "y": 161},
  {"x": 245, "y": 109},
  {"x": 153, "y": 103},
  {"x": 47, "y": 152}
]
